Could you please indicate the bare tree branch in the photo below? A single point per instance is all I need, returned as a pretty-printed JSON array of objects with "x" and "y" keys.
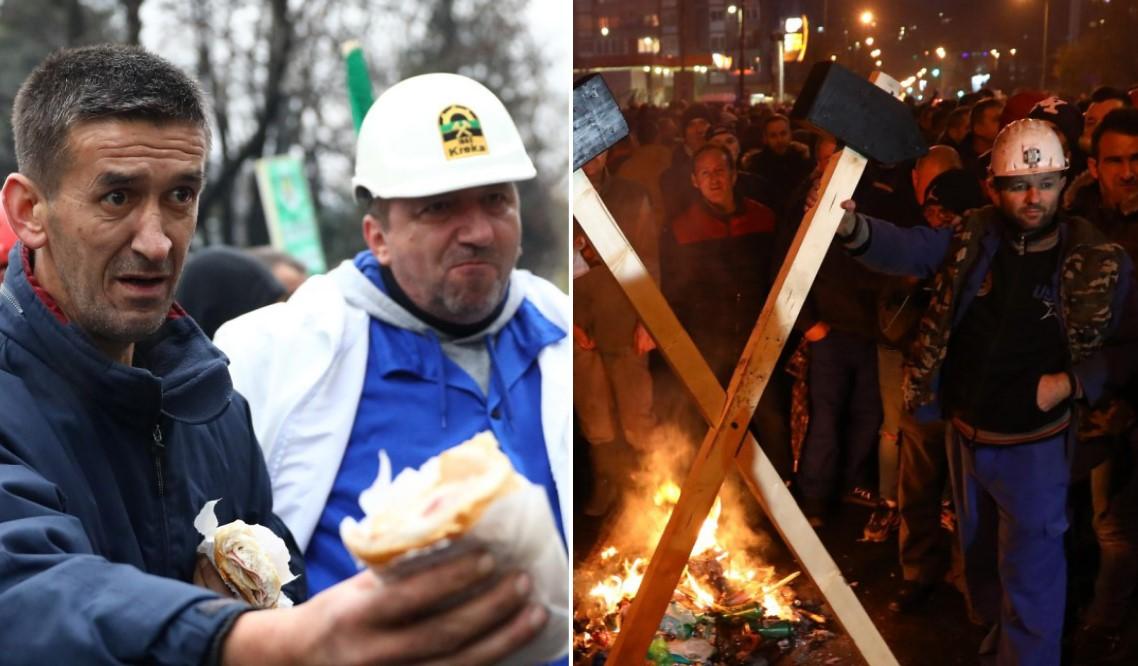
[{"x": 280, "y": 41}]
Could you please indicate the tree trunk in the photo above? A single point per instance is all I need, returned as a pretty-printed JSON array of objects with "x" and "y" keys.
[
  {"x": 133, "y": 20},
  {"x": 280, "y": 48}
]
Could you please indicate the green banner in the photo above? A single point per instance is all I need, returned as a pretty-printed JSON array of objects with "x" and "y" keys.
[
  {"x": 360, "y": 95},
  {"x": 287, "y": 202}
]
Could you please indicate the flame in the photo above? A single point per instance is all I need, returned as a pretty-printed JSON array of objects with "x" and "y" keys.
[
  {"x": 613, "y": 589},
  {"x": 747, "y": 585},
  {"x": 667, "y": 494},
  {"x": 706, "y": 539},
  {"x": 690, "y": 586}
]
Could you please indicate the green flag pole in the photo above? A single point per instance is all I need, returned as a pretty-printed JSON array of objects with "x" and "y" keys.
[{"x": 360, "y": 94}]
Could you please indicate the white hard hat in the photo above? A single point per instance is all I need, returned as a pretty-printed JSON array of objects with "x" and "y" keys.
[
  {"x": 437, "y": 133},
  {"x": 1025, "y": 147}
]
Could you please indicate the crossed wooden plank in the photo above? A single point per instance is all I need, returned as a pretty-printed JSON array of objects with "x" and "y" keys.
[{"x": 729, "y": 414}]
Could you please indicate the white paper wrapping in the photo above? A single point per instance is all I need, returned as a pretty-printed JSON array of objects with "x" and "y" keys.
[
  {"x": 274, "y": 546},
  {"x": 517, "y": 528}
]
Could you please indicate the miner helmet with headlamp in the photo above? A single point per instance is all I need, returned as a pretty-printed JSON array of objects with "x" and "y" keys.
[
  {"x": 1027, "y": 167},
  {"x": 1026, "y": 147},
  {"x": 437, "y": 133}
]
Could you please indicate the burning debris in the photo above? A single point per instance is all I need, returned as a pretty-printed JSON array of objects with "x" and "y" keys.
[{"x": 725, "y": 610}]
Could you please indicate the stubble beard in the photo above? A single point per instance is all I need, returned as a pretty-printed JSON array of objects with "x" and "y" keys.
[
  {"x": 466, "y": 305},
  {"x": 94, "y": 314}
]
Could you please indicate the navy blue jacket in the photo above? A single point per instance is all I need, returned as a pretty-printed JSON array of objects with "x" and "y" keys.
[
  {"x": 102, "y": 470},
  {"x": 920, "y": 251}
]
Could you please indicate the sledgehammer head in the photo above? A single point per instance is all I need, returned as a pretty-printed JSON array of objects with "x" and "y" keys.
[
  {"x": 863, "y": 116},
  {"x": 597, "y": 120}
]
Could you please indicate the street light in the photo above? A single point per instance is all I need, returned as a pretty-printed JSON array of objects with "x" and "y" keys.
[
  {"x": 866, "y": 17},
  {"x": 940, "y": 52},
  {"x": 604, "y": 31},
  {"x": 1043, "y": 69},
  {"x": 1043, "y": 55},
  {"x": 869, "y": 41},
  {"x": 733, "y": 9}
]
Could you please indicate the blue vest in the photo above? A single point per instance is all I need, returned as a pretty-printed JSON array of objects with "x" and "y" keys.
[{"x": 416, "y": 403}]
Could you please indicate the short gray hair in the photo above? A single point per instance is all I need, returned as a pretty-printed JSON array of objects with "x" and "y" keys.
[{"x": 92, "y": 83}]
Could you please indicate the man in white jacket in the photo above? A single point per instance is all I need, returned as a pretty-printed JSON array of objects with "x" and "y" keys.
[{"x": 426, "y": 338}]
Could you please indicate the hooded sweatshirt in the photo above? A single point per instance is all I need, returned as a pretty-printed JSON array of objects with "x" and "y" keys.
[{"x": 425, "y": 391}]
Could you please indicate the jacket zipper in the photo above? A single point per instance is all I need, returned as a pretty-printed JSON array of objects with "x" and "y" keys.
[
  {"x": 158, "y": 449},
  {"x": 11, "y": 299}
]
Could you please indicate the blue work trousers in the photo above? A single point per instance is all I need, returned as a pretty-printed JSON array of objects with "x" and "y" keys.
[{"x": 1011, "y": 504}]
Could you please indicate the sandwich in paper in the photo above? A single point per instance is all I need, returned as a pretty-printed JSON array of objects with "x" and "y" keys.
[
  {"x": 251, "y": 559},
  {"x": 424, "y": 507},
  {"x": 469, "y": 495}
]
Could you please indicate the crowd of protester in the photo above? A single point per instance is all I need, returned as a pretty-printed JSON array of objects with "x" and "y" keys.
[{"x": 725, "y": 188}]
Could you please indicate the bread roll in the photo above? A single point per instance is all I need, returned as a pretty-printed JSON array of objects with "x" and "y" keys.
[{"x": 422, "y": 507}]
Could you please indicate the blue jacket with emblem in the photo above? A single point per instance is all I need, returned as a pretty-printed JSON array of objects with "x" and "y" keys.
[
  {"x": 920, "y": 252},
  {"x": 103, "y": 468}
]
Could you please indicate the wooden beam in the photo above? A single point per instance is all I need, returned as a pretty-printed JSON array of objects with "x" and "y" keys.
[{"x": 729, "y": 438}]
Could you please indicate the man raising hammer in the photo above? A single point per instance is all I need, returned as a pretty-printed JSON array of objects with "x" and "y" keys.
[{"x": 1031, "y": 312}]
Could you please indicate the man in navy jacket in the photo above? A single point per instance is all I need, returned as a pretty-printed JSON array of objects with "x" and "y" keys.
[{"x": 118, "y": 420}]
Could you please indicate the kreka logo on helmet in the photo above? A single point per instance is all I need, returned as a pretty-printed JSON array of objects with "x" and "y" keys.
[
  {"x": 398, "y": 152},
  {"x": 462, "y": 133}
]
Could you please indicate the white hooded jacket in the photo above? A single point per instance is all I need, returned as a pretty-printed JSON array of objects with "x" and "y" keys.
[{"x": 301, "y": 366}]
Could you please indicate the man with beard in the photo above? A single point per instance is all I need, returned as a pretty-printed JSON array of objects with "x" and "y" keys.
[
  {"x": 119, "y": 420},
  {"x": 1109, "y": 438},
  {"x": 424, "y": 339},
  {"x": 1083, "y": 197},
  {"x": 1031, "y": 312}
]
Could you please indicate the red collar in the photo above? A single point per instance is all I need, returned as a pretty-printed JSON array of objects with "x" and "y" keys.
[{"x": 47, "y": 299}]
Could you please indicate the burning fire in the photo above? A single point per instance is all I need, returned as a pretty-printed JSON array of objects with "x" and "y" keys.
[
  {"x": 728, "y": 606},
  {"x": 717, "y": 579}
]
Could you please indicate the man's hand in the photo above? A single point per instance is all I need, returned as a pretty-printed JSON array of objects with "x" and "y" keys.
[
  {"x": 582, "y": 339},
  {"x": 205, "y": 575},
  {"x": 366, "y": 620},
  {"x": 1052, "y": 390},
  {"x": 849, "y": 220},
  {"x": 642, "y": 341},
  {"x": 812, "y": 195}
]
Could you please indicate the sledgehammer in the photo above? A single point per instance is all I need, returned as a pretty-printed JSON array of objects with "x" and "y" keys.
[{"x": 597, "y": 125}]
